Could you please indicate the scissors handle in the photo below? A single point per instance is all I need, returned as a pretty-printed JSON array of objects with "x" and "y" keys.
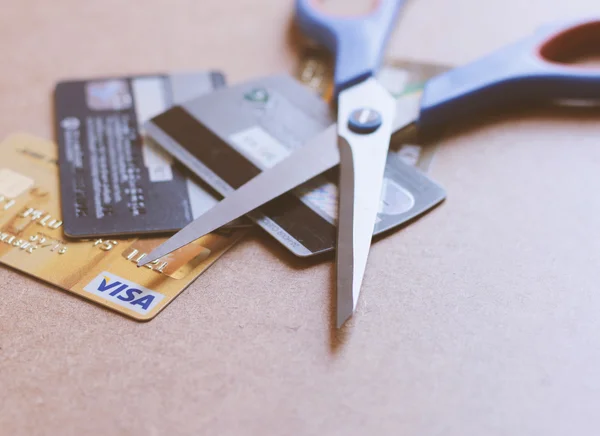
[
  {"x": 358, "y": 42},
  {"x": 538, "y": 68}
]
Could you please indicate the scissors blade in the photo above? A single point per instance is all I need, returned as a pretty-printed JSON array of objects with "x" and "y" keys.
[
  {"x": 317, "y": 156},
  {"x": 366, "y": 118}
]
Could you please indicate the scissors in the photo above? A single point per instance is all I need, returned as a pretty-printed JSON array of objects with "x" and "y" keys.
[
  {"x": 538, "y": 68},
  {"x": 366, "y": 115}
]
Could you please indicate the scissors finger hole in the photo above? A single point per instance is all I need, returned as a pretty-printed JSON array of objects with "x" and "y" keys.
[{"x": 578, "y": 45}]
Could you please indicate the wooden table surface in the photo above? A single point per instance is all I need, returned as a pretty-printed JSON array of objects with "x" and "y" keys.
[{"x": 482, "y": 318}]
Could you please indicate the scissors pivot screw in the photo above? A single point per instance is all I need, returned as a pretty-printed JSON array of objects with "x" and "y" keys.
[{"x": 364, "y": 120}]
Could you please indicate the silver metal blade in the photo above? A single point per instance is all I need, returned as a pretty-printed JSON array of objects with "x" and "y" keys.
[
  {"x": 317, "y": 156},
  {"x": 362, "y": 165}
]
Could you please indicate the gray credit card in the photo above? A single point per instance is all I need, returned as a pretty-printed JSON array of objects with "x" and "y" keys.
[
  {"x": 114, "y": 181},
  {"x": 233, "y": 134}
]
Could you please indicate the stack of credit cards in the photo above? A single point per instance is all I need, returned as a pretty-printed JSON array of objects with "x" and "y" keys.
[
  {"x": 231, "y": 135},
  {"x": 140, "y": 157}
]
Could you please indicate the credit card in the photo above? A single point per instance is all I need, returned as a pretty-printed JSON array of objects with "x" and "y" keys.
[
  {"x": 102, "y": 270},
  {"x": 400, "y": 77},
  {"x": 113, "y": 180},
  {"x": 231, "y": 135}
]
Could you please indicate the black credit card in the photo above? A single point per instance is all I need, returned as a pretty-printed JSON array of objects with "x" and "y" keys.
[
  {"x": 114, "y": 181},
  {"x": 231, "y": 135}
]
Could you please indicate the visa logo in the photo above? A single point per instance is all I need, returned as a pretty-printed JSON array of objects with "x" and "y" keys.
[{"x": 124, "y": 293}]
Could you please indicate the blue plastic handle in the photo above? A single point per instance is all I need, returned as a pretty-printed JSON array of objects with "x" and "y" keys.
[
  {"x": 534, "y": 69},
  {"x": 358, "y": 43}
]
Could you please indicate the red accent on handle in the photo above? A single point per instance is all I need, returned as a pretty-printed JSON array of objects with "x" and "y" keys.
[{"x": 572, "y": 44}]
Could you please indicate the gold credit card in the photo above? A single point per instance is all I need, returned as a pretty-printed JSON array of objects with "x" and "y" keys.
[
  {"x": 101, "y": 270},
  {"x": 401, "y": 78}
]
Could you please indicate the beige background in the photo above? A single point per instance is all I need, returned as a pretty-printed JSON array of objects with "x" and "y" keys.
[{"x": 480, "y": 319}]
